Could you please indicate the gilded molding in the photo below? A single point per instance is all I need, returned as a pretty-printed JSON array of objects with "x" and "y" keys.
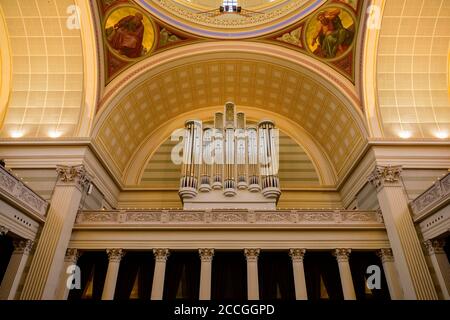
[
  {"x": 73, "y": 175},
  {"x": 342, "y": 255}
]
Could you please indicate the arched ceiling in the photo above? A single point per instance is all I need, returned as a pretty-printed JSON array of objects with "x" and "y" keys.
[
  {"x": 413, "y": 69},
  {"x": 135, "y": 110}
]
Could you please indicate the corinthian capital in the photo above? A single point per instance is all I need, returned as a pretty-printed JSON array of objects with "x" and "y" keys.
[
  {"x": 161, "y": 255},
  {"x": 385, "y": 175},
  {"x": 251, "y": 254},
  {"x": 73, "y": 175},
  {"x": 342, "y": 255},
  {"x": 435, "y": 246},
  {"x": 72, "y": 255},
  {"x": 386, "y": 255},
  {"x": 297, "y": 254},
  {"x": 206, "y": 255},
  {"x": 115, "y": 255},
  {"x": 3, "y": 230},
  {"x": 23, "y": 246}
]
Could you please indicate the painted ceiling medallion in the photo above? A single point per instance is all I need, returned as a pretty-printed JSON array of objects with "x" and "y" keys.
[{"x": 193, "y": 16}]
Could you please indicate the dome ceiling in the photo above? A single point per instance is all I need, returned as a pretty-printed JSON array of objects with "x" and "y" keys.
[{"x": 203, "y": 18}]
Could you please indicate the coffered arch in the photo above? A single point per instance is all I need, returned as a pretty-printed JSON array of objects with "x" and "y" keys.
[{"x": 270, "y": 79}]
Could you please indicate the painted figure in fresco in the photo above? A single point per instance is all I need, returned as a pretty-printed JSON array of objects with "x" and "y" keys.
[
  {"x": 127, "y": 35},
  {"x": 333, "y": 39}
]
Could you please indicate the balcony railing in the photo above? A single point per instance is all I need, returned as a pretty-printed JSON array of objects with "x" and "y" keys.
[
  {"x": 432, "y": 198},
  {"x": 16, "y": 191},
  {"x": 229, "y": 219}
]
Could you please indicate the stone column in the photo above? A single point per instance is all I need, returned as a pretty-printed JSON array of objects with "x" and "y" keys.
[
  {"x": 297, "y": 256},
  {"x": 440, "y": 263},
  {"x": 48, "y": 260},
  {"x": 409, "y": 258},
  {"x": 206, "y": 256},
  {"x": 3, "y": 231},
  {"x": 252, "y": 273},
  {"x": 70, "y": 259},
  {"x": 114, "y": 256},
  {"x": 390, "y": 272},
  {"x": 342, "y": 257},
  {"x": 161, "y": 256},
  {"x": 14, "y": 271}
]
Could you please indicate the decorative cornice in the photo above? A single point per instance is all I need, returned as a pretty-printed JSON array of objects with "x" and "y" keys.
[
  {"x": 206, "y": 255},
  {"x": 23, "y": 246},
  {"x": 435, "y": 246},
  {"x": 73, "y": 175},
  {"x": 385, "y": 176},
  {"x": 386, "y": 255},
  {"x": 3, "y": 230},
  {"x": 72, "y": 255},
  {"x": 251, "y": 254},
  {"x": 297, "y": 254},
  {"x": 115, "y": 255},
  {"x": 161, "y": 255},
  {"x": 342, "y": 255}
]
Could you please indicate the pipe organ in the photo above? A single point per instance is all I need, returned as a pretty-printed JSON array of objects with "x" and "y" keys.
[{"x": 235, "y": 161}]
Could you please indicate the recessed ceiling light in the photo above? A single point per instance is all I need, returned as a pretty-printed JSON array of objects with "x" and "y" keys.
[
  {"x": 404, "y": 134},
  {"x": 54, "y": 134},
  {"x": 441, "y": 134},
  {"x": 16, "y": 134}
]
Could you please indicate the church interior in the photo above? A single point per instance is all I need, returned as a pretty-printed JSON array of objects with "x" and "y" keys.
[{"x": 225, "y": 150}]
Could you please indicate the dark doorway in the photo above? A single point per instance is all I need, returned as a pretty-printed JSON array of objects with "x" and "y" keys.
[
  {"x": 135, "y": 277},
  {"x": 275, "y": 276},
  {"x": 359, "y": 262},
  {"x": 93, "y": 266},
  {"x": 229, "y": 276},
  {"x": 322, "y": 276},
  {"x": 6, "y": 250},
  {"x": 182, "y": 277}
]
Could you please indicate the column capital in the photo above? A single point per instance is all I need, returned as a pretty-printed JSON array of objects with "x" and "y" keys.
[
  {"x": 252, "y": 254},
  {"x": 3, "y": 230},
  {"x": 385, "y": 176},
  {"x": 115, "y": 255},
  {"x": 206, "y": 255},
  {"x": 297, "y": 254},
  {"x": 342, "y": 254},
  {"x": 161, "y": 255},
  {"x": 386, "y": 255},
  {"x": 435, "y": 246},
  {"x": 23, "y": 246},
  {"x": 72, "y": 255},
  {"x": 76, "y": 175}
]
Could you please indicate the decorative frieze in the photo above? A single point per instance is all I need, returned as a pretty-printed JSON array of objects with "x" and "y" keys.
[
  {"x": 228, "y": 217},
  {"x": 297, "y": 254},
  {"x": 342, "y": 255},
  {"x": 18, "y": 191},
  {"x": 73, "y": 175},
  {"x": 435, "y": 246},
  {"x": 161, "y": 255},
  {"x": 251, "y": 254},
  {"x": 206, "y": 255},
  {"x": 115, "y": 255},
  {"x": 385, "y": 175},
  {"x": 386, "y": 255},
  {"x": 433, "y": 197},
  {"x": 23, "y": 246}
]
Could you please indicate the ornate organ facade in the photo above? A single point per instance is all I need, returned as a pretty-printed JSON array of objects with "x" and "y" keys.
[{"x": 230, "y": 164}]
